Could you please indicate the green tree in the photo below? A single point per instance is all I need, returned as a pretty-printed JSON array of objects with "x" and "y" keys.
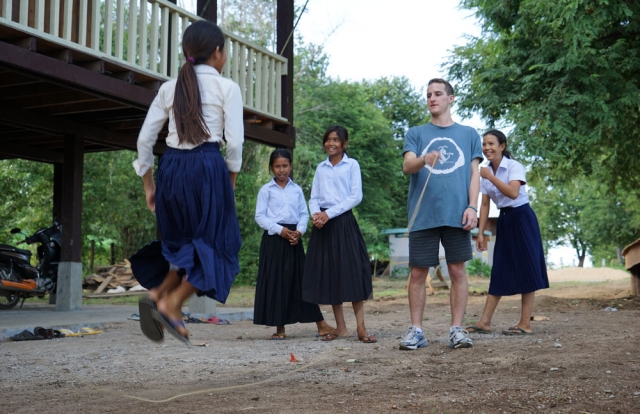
[{"x": 565, "y": 74}]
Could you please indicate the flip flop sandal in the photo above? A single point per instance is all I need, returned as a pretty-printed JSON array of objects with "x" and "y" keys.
[
  {"x": 369, "y": 339},
  {"x": 67, "y": 332},
  {"x": 516, "y": 331},
  {"x": 151, "y": 328},
  {"x": 45, "y": 333},
  {"x": 171, "y": 325},
  {"x": 90, "y": 331},
  {"x": 278, "y": 337},
  {"x": 477, "y": 329},
  {"x": 26, "y": 336}
]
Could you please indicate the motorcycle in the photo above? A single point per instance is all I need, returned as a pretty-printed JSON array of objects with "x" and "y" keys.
[{"x": 18, "y": 278}]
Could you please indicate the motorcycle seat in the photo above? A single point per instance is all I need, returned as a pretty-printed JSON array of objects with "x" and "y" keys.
[{"x": 8, "y": 248}]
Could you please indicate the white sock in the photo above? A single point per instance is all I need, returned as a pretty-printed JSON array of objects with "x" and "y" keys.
[{"x": 419, "y": 330}]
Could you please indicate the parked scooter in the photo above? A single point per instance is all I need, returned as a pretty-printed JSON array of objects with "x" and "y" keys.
[{"x": 18, "y": 278}]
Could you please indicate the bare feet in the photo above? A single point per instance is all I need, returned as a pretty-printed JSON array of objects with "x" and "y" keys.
[
  {"x": 173, "y": 312},
  {"x": 324, "y": 328}
]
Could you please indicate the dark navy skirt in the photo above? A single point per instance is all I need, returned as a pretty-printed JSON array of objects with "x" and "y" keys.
[
  {"x": 278, "y": 300},
  {"x": 196, "y": 216},
  {"x": 518, "y": 256},
  {"x": 337, "y": 267}
]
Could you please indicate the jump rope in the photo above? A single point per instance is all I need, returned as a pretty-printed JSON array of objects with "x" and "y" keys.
[
  {"x": 417, "y": 208},
  {"x": 253, "y": 384}
]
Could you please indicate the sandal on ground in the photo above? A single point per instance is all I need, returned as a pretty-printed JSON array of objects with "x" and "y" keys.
[
  {"x": 333, "y": 336},
  {"x": 278, "y": 336},
  {"x": 171, "y": 325},
  {"x": 368, "y": 339},
  {"x": 151, "y": 328},
  {"x": 477, "y": 329},
  {"x": 516, "y": 331},
  {"x": 26, "y": 336}
]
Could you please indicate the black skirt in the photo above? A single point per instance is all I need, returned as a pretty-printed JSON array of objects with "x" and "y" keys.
[
  {"x": 278, "y": 300},
  {"x": 518, "y": 256},
  {"x": 337, "y": 268}
]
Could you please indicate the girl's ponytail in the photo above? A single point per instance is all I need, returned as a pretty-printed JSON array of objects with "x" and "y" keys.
[{"x": 199, "y": 42}]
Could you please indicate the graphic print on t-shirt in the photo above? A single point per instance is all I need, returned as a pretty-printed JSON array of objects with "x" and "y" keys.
[{"x": 451, "y": 156}]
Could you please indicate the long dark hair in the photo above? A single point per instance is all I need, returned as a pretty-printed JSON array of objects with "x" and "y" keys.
[
  {"x": 502, "y": 139},
  {"x": 342, "y": 133},
  {"x": 199, "y": 41}
]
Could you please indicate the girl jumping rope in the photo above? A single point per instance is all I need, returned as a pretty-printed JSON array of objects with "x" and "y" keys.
[
  {"x": 337, "y": 269},
  {"x": 281, "y": 211},
  {"x": 194, "y": 200},
  {"x": 518, "y": 258}
]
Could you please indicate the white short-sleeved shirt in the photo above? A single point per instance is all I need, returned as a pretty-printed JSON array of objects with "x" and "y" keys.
[
  {"x": 281, "y": 205},
  {"x": 338, "y": 188},
  {"x": 222, "y": 110},
  {"x": 509, "y": 170}
]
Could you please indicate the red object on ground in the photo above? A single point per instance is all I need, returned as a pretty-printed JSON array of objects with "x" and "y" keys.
[{"x": 293, "y": 358}]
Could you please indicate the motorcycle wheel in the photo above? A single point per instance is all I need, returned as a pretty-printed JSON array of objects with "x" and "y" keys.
[{"x": 7, "y": 299}]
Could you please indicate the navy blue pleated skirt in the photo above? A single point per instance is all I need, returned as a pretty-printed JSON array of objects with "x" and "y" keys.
[
  {"x": 337, "y": 267},
  {"x": 518, "y": 256},
  {"x": 196, "y": 216},
  {"x": 278, "y": 300}
]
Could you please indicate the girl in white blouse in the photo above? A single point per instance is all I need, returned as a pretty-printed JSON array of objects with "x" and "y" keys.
[
  {"x": 519, "y": 266},
  {"x": 337, "y": 268},
  {"x": 281, "y": 211},
  {"x": 194, "y": 200}
]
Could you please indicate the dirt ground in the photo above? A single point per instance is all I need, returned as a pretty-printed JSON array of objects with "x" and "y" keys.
[{"x": 584, "y": 359}]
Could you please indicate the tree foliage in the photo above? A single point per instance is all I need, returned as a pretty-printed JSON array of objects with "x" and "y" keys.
[{"x": 565, "y": 74}]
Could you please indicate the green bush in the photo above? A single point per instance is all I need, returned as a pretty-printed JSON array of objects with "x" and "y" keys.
[{"x": 477, "y": 267}]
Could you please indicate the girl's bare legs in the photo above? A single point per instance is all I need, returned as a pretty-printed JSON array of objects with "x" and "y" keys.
[
  {"x": 527, "y": 310},
  {"x": 171, "y": 304},
  {"x": 341, "y": 326},
  {"x": 490, "y": 306},
  {"x": 170, "y": 282},
  {"x": 358, "y": 310}
]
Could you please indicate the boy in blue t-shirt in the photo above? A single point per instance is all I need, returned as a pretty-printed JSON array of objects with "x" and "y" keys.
[{"x": 447, "y": 154}]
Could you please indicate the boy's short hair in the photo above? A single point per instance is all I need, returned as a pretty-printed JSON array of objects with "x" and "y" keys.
[{"x": 447, "y": 86}]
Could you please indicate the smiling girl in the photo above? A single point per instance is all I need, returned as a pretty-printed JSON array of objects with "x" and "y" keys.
[
  {"x": 282, "y": 212},
  {"x": 519, "y": 266},
  {"x": 337, "y": 268}
]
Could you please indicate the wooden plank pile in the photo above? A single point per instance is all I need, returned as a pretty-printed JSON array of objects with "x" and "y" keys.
[{"x": 110, "y": 277}]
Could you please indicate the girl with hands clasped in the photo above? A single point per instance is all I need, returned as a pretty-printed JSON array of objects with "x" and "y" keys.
[
  {"x": 337, "y": 269},
  {"x": 519, "y": 266},
  {"x": 281, "y": 211}
]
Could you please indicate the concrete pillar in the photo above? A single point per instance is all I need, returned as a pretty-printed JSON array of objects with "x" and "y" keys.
[
  {"x": 202, "y": 306},
  {"x": 69, "y": 289}
]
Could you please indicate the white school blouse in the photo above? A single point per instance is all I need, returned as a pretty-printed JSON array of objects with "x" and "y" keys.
[
  {"x": 281, "y": 205},
  {"x": 509, "y": 170},
  {"x": 337, "y": 188},
  {"x": 222, "y": 110}
]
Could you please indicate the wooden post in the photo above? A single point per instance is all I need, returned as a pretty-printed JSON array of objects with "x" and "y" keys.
[
  {"x": 208, "y": 9},
  {"x": 285, "y": 16},
  {"x": 69, "y": 290},
  {"x": 92, "y": 254}
]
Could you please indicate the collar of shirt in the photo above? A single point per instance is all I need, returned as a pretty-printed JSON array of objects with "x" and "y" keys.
[
  {"x": 273, "y": 183},
  {"x": 205, "y": 69},
  {"x": 345, "y": 158}
]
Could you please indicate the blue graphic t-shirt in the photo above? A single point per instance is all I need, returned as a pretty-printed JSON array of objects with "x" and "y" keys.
[{"x": 447, "y": 193}]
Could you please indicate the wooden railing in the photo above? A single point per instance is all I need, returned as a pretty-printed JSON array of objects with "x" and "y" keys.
[{"x": 145, "y": 35}]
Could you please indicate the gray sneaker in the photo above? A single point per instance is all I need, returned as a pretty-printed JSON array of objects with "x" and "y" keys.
[
  {"x": 458, "y": 338},
  {"x": 413, "y": 340}
]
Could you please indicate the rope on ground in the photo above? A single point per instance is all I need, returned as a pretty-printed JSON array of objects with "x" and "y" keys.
[{"x": 235, "y": 387}]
